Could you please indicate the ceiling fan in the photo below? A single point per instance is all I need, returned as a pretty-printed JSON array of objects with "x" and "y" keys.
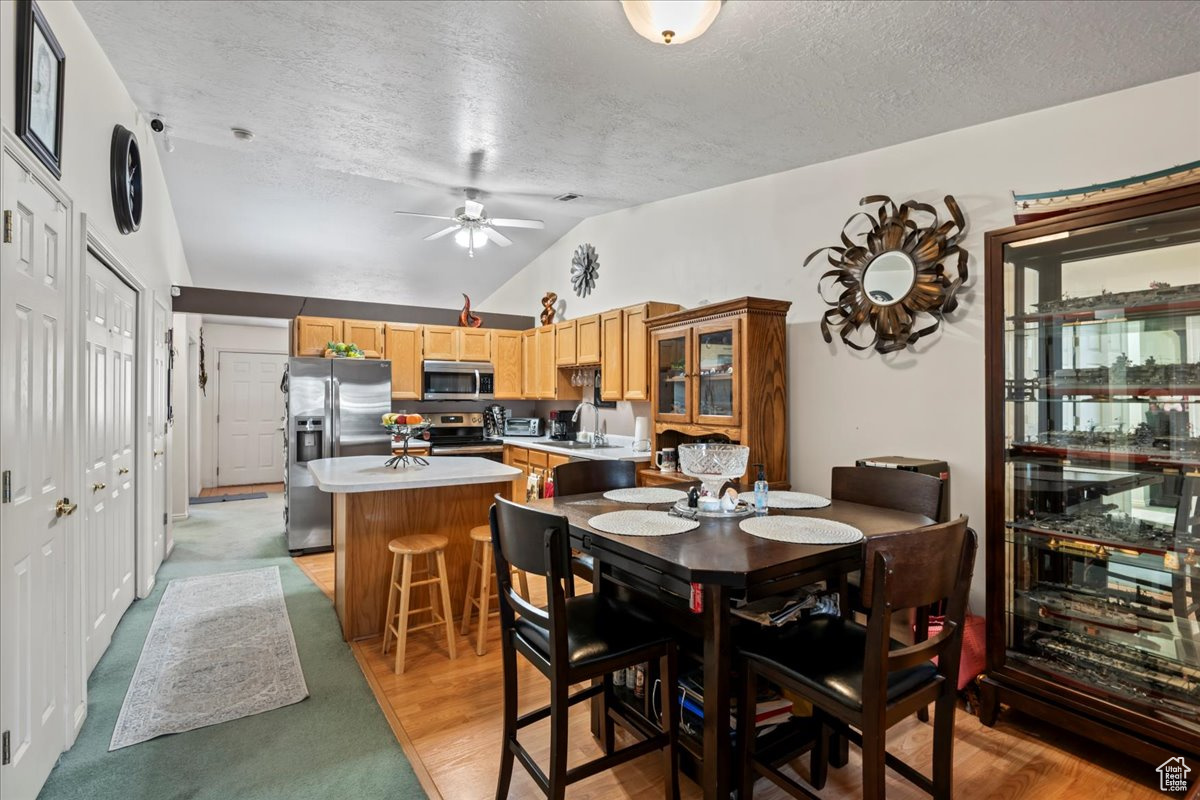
[{"x": 472, "y": 228}]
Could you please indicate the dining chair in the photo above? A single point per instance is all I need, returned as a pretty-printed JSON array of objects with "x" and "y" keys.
[
  {"x": 861, "y": 681},
  {"x": 574, "y": 639},
  {"x": 899, "y": 490},
  {"x": 584, "y": 477}
]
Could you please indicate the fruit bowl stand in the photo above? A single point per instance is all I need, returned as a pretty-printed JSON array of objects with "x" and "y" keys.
[{"x": 406, "y": 433}]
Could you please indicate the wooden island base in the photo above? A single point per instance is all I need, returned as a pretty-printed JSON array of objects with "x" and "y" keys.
[{"x": 364, "y": 523}]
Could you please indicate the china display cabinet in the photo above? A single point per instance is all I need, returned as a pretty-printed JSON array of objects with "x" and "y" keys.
[
  {"x": 1093, "y": 554},
  {"x": 719, "y": 373}
]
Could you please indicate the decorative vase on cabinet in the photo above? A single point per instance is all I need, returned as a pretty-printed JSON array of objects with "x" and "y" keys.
[{"x": 1093, "y": 472}]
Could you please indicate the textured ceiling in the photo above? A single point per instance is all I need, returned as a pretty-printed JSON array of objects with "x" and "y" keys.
[{"x": 362, "y": 108}]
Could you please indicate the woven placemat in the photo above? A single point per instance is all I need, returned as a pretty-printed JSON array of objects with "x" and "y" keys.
[
  {"x": 795, "y": 500},
  {"x": 645, "y": 494},
  {"x": 642, "y": 523},
  {"x": 801, "y": 530}
]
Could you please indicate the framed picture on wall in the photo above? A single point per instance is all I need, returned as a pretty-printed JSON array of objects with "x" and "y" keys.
[{"x": 41, "y": 65}]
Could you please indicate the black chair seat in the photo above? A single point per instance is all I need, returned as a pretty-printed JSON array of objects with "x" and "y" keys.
[
  {"x": 826, "y": 653},
  {"x": 596, "y": 630}
]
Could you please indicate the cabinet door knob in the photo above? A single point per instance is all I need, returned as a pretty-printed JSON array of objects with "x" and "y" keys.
[
  {"x": 123, "y": 471},
  {"x": 97, "y": 487}
]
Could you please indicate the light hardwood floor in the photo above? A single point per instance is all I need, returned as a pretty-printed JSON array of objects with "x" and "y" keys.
[
  {"x": 446, "y": 715},
  {"x": 249, "y": 488}
]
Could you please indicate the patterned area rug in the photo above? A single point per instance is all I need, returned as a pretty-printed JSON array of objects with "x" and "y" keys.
[{"x": 220, "y": 648}]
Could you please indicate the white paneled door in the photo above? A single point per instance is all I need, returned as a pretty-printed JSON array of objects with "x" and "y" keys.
[
  {"x": 158, "y": 436},
  {"x": 110, "y": 311},
  {"x": 250, "y": 418},
  {"x": 35, "y": 514}
]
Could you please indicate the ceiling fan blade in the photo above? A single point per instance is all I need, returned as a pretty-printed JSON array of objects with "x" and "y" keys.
[
  {"x": 516, "y": 223},
  {"x": 415, "y": 214},
  {"x": 473, "y": 209},
  {"x": 443, "y": 232},
  {"x": 496, "y": 236}
]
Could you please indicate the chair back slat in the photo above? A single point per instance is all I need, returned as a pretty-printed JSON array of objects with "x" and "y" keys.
[
  {"x": 538, "y": 543},
  {"x": 897, "y": 489},
  {"x": 584, "y": 477},
  {"x": 925, "y": 561}
]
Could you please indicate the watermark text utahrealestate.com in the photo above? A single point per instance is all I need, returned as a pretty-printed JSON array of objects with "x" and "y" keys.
[{"x": 1173, "y": 775}]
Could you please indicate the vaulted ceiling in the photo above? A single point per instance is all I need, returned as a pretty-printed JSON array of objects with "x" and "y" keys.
[{"x": 361, "y": 108}]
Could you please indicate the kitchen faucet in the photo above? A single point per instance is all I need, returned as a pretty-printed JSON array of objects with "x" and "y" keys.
[{"x": 598, "y": 438}]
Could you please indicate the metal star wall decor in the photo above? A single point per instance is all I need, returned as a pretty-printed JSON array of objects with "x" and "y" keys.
[
  {"x": 584, "y": 266},
  {"x": 893, "y": 240}
]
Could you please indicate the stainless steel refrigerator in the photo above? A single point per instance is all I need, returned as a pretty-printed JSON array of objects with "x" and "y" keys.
[{"x": 334, "y": 407}]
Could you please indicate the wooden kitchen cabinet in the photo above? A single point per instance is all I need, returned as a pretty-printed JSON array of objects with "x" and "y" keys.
[
  {"x": 475, "y": 344},
  {"x": 507, "y": 355},
  {"x": 440, "y": 342},
  {"x": 529, "y": 365},
  {"x": 564, "y": 344},
  {"x": 587, "y": 340},
  {"x": 612, "y": 373},
  {"x": 554, "y": 460},
  {"x": 547, "y": 368},
  {"x": 368, "y": 335},
  {"x": 402, "y": 346},
  {"x": 722, "y": 369},
  {"x": 311, "y": 334},
  {"x": 518, "y": 457}
]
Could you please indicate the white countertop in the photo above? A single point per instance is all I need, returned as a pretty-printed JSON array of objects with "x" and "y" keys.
[
  {"x": 368, "y": 474},
  {"x": 623, "y": 452}
]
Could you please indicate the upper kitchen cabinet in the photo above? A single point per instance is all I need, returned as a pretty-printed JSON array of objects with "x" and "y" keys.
[
  {"x": 636, "y": 347},
  {"x": 564, "y": 344},
  {"x": 311, "y": 334},
  {"x": 474, "y": 344},
  {"x": 367, "y": 335},
  {"x": 612, "y": 372},
  {"x": 547, "y": 368},
  {"x": 587, "y": 340},
  {"x": 402, "y": 346},
  {"x": 529, "y": 364},
  {"x": 441, "y": 342},
  {"x": 507, "y": 356},
  {"x": 720, "y": 371},
  {"x": 452, "y": 343}
]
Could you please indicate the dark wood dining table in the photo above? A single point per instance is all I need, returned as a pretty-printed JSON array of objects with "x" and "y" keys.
[{"x": 689, "y": 580}]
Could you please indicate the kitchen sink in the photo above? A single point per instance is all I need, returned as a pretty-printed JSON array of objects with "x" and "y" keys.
[{"x": 578, "y": 445}]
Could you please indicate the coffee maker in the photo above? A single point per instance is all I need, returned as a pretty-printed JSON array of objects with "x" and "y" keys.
[{"x": 562, "y": 427}]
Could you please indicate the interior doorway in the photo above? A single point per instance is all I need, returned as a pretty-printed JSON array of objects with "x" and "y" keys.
[{"x": 250, "y": 418}]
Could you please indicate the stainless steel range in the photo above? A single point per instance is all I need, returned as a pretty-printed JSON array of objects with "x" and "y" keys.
[{"x": 462, "y": 435}]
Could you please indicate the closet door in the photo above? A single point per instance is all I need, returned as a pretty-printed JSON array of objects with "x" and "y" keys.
[{"x": 110, "y": 311}]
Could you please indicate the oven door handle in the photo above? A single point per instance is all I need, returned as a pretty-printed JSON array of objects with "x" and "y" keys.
[
  {"x": 470, "y": 450},
  {"x": 476, "y": 384}
]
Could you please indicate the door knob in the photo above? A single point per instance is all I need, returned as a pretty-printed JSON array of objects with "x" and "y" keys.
[
  {"x": 64, "y": 507},
  {"x": 158, "y": 453},
  {"x": 123, "y": 471},
  {"x": 97, "y": 486}
]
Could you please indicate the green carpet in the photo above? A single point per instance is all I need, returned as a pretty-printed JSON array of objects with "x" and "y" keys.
[{"x": 334, "y": 744}]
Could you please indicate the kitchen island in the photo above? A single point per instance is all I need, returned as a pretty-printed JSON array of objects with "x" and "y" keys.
[{"x": 373, "y": 504}]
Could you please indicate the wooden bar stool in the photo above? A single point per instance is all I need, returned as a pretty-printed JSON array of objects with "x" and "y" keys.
[
  {"x": 396, "y": 622},
  {"x": 480, "y": 591}
]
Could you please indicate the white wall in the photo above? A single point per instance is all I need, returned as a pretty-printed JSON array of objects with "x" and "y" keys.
[
  {"x": 94, "y": 101},
  {"x": 220, "y": 337},
  {"x": 752, "y": 237}
]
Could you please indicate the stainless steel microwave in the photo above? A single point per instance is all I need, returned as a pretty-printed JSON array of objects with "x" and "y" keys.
[{"x": 457, "y": 380}]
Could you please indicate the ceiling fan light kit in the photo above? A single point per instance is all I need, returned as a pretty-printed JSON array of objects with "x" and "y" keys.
[
  {"x": 472, "y": 228},
  {"x": 671, "y": 21}
]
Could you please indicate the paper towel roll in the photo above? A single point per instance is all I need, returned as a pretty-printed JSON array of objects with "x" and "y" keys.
[{"x": 641, "y": 434}]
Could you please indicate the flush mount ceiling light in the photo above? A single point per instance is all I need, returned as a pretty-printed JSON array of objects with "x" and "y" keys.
[
  {"x": 242, "y": 134},
  {"x": 671, "y": 21}
]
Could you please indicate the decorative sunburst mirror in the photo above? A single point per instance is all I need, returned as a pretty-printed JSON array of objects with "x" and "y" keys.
[
  {"x": 584, "y": 266},
  {"x": 894, "y": 275}
]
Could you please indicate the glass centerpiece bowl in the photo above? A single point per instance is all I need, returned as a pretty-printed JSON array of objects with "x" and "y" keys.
[
  {"x": 395, "y": 424},
  {"x": 714, "y": 463}
]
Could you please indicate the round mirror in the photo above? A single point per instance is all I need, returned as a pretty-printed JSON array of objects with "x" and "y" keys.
[{"x": 889, "y": 277}]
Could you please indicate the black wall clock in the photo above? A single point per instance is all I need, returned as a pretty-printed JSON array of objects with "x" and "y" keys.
[{"x": 126, "y": 167}]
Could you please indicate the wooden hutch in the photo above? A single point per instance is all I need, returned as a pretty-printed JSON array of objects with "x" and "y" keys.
[{"x": 719, "y": 373}]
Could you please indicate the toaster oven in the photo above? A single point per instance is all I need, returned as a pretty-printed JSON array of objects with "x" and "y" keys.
[{"x": 523, "y": 426}]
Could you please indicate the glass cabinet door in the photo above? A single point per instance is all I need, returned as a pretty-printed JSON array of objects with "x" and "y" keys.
[
  {"x": 717, "y": 374},
  {"x": 672, "y": 395},
  {"x": 1102, "y": 451}
]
